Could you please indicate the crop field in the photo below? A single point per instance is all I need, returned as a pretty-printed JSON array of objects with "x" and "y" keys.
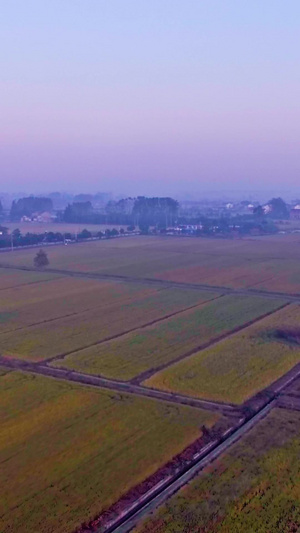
[
  {"x": 268, "y": 263},
  {"x": 68, "y": 314},
  {"x": 150, "y": 347},
  {"x": 67, "y": 452},
  {"x": 241, "y": 365},
  {"x": 255, "y": 487},
  {"x": 16, "y": 278},
  {"x": 39, "y": 302}
]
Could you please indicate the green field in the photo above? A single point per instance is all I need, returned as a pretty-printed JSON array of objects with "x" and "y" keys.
[
  {"x": 269, "y": 263},
  {"x": 67, "y": 452},
  {"x": 149, "y": 347},
  {"x": 65, "y": 315},
  {"x": 254, "y": 488},
  {"x": 241, "y": 365}
]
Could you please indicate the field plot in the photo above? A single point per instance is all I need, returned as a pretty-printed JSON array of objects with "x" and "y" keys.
[
  {"x": 238, "y": 367},
  {"x": 255, "y": 487},
  {"x": 74, "y": 314},
  {"x": 159, "y": 344},
  {"x": 268, "y": 263},
  {"x": 15, "y": 278},
  {"x": 68, "y": 452},
  {"x": 40, "y": 302}
]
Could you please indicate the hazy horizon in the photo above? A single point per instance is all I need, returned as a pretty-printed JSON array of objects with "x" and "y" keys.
[{"x": 158, "y": 98}]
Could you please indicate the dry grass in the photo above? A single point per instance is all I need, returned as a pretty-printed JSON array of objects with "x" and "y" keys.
[{"x": 67, "y": 452}]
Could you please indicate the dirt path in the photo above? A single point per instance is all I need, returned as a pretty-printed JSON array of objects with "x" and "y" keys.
[{"x": 118, "y": 386}]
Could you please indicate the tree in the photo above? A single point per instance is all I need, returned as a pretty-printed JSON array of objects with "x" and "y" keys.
[
  {"x": 28, "y": 206},
  {"x": 16, "y": 233},
  {"x": 279, "y": 208},
  {"x": 78, "y": 212},
  {"x": 41, "y": 259},
  {"x": 85, "y": 234}
]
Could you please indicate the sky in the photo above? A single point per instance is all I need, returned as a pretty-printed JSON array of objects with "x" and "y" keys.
[{"x": 150, "y": 96}]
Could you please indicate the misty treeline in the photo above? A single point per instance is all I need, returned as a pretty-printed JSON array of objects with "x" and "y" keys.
[
  {"x": 16, "y": 239},
  {"x": 28, "y": 207},
  {"x": 141, "y": 211}
]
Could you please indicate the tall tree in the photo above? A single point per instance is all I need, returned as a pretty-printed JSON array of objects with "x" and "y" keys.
[{"x": 41, "y": 259}]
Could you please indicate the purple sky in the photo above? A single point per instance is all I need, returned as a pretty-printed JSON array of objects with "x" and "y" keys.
[{"x": 146, "y": 97}]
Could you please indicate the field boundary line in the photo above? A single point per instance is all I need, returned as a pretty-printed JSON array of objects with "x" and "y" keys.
[
  {"x": 293, "y": 297},
  {"x": 149, "y": 373},
  {"x": 31, "y": 283},
  {"x": 121, "y": 334}
]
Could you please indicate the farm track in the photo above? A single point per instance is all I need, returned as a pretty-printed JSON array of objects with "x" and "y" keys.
[
  {"x": 118, "y": 386},
  {"x": 161, "y": 282},
  {"x": 274, "y": 396},
  {"x": 148, "y": 373},
  {"x": 260, "y": 406},
  {"x": 126, "y": 332}
]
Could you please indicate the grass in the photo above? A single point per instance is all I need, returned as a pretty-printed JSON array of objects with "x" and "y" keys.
[
  {"x": 68, "y": 452},
  {"x": 238, "y": 367},
  {"x": 254, "y": 488},
  {"x": 150, "y": 347},
  {"x": 67, "y": 316}
]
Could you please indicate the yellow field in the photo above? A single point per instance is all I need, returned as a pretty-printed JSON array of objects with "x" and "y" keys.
[
  {"x": 238, "y": 367},
  {"x": 67, "y": 452},
  {"x": 161, "y": 343}
]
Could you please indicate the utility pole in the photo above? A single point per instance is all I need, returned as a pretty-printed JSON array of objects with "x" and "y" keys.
[{"x": 12, "y": 242}]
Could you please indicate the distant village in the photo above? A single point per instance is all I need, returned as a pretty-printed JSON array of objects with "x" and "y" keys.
[{"x": 146, "y": 215}]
